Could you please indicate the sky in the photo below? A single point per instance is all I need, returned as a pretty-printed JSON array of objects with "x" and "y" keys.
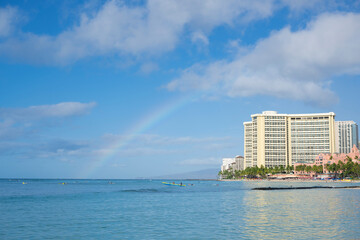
[{"x": 129, "y": 89}]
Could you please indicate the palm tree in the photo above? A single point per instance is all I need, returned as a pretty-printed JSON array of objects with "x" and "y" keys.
[
  {"x": 289, "y": 168},
  {"x": 348, "y": 170},
  {"x": 262, "y": 171},
  {"x": 227, "y": 174},
  {"x": 334, "y": 168},
  {"x": 308, "y": 169},
  {"x": 314, "y": 168},
  {"x": 327, "y": 166},
  {"x": 357, "y": 170},
  {"x": 300, "y": 168},
  {"x": 340, "y": 166},
  {"x": 237, "y": 173}
]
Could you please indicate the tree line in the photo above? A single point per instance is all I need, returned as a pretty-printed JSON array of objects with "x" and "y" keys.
[
  {"x": 254, "y": 172},
  {"x": 342, "y": 169},
  {"x": 346, "y": 169},
  {"x": 308, "y": 169}
]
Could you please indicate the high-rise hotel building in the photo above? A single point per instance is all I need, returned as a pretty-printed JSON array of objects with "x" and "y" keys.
[
  {"x": 346, "y": 135},
  {"x": 273, "y": 139}
]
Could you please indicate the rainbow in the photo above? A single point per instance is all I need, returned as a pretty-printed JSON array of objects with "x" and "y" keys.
[{"x": 144, "y": 124}]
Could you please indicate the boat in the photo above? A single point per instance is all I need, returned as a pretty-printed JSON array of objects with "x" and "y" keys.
[{"x": 173, "y": 184}]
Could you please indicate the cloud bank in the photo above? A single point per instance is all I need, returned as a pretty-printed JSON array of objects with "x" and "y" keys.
[
  {"x": 288, "y": 64},
  {"x": 17, "y": 122},
  {"x": 294, "y": 65},
  {"x": 64, "y": 109},
  {"x": 116, "y": 28}
]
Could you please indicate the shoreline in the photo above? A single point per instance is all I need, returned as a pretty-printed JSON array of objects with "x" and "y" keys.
[
  {"x": 302, "y": 188},
  {"x": 288, "y": 180}
]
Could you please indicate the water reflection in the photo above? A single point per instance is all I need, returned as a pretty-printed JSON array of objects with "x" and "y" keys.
[{"x": 296, "y": 214}]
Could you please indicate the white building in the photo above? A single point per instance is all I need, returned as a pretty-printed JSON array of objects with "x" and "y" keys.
[
  {"x": 233, "y": 164},
  {"x": 239, "y": 163},
  {"x": 346, "y": 135},
  {"x": 248, "y": 143},
  {"x": 227, "y": 163},
  {"x": 273, "y": 139}
]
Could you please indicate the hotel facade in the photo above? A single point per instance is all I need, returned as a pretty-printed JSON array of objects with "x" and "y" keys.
[
  {"x": 273, "y": 139},
  {"x": 346, "y": 135}
]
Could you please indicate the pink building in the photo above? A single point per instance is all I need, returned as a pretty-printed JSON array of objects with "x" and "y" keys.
[{"x": 328, "y": 158}]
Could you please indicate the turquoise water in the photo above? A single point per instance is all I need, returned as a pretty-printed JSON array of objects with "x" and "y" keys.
[{"x": 143, "y": 209}]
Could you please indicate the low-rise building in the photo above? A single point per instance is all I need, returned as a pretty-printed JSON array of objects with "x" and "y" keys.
[{"x": 323, "y": 159}]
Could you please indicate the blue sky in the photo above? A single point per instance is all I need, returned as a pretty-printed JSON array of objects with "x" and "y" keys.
[{"x": 126, "y": 89}]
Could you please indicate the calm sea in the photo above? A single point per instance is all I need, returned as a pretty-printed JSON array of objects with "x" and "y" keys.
[{"x": 144, "y": 209}]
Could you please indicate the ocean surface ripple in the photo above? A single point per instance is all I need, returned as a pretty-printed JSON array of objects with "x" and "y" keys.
[{"x": 148, "y": 209}]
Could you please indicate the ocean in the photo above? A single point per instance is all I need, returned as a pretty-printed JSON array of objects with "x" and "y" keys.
[{"x": 148, "y": 209}]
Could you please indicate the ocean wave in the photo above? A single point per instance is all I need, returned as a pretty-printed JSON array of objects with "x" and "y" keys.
[{"x": 142, "y": 190}]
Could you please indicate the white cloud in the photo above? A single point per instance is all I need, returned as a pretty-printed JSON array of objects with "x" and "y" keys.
[
  {"x": 64, "y": 109},
  {"x": 8, "y": 18},
  {"x": 20, "y": 122},
  {"x": 294, "y": 65},
  {"x": 131, "y": 30},
  {"x": 63, "y": 150},
  {"x": 200, "y": 38},
  {"x": 149, "y": 67}
]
